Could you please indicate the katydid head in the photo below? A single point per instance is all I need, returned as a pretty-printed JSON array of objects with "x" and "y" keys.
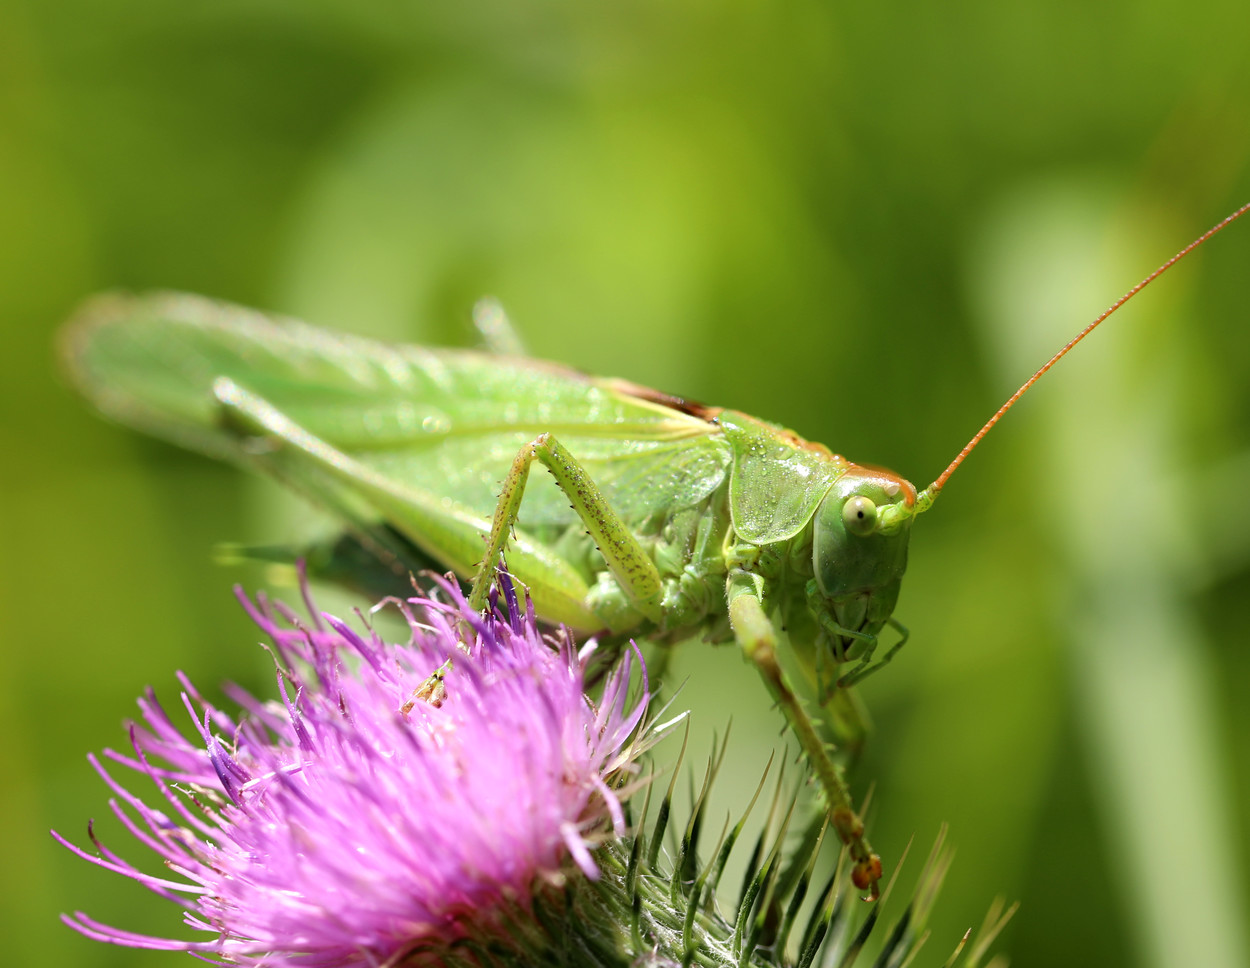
[{"x": 859, "y": 548}]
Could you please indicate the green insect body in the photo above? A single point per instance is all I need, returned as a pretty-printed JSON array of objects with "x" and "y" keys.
[
  {"x": 421, "y": 438},
  {"x": 693, "y": 507},
  {"x": 656, "y": 518}
]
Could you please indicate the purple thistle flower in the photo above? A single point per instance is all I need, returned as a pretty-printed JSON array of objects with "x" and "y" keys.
[{"x": 351, "y": 825}]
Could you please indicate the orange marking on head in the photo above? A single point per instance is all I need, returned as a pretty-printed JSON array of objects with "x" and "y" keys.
[{"x": 887, "y": 480}]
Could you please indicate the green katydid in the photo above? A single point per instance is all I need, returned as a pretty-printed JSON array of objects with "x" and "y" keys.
[{"x": 685, "y": 520}]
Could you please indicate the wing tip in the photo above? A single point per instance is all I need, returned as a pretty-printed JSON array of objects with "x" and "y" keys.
[
  {"x": 82, "y": 349},
  {"x": 109, "y": 308},
  {"x": 72, "y": 339}
]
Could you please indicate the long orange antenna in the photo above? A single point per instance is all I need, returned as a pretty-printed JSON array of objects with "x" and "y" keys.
[{"x": 929, "y": 495}]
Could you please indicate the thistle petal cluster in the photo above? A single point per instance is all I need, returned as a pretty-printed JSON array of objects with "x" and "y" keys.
[{"x": 365, "y": 818}]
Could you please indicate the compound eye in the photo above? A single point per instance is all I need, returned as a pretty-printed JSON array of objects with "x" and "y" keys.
[{"x": 859, "y": 515}]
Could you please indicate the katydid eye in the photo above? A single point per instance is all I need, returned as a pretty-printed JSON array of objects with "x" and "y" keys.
[{"x": 859, "y": 515}]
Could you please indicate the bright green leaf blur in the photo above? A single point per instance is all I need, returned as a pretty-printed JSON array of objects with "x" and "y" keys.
[{"x": 869, "y": 222}]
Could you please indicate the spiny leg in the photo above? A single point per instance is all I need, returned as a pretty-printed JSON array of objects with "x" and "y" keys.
[
  {"x": 758, "y": 640},
  {"x": 633, "y": 570}
]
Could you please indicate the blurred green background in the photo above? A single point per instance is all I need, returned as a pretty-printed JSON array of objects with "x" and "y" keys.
[{"x": 866, "y": 221}]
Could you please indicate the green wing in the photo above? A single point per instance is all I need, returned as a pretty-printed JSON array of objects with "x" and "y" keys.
[{"x": 443, "y": 425}]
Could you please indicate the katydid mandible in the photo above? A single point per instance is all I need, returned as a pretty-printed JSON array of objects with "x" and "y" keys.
[{"x": 685, "y": 520}]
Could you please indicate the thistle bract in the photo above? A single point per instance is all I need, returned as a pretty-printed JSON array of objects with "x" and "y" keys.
[{"x": 360, "y": 819}]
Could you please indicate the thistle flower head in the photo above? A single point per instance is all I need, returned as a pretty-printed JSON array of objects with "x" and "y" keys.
[{"x": 367, "y": 816}]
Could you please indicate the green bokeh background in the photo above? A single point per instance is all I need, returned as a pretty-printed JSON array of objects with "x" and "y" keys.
[{"x": 866, "y": 221}]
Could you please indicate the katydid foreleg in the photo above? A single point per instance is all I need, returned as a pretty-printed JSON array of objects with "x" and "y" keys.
[
  {"x": 757, "y": 638},
  {"x": 866, "y": 666},
  {"x": 863, "y": 645}
]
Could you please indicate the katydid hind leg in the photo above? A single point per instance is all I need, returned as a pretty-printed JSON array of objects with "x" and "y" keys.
[
  {"x": 449, "y": 533},
  {"x": 370, "y": 556},
  {"x": 757, "y": 638},
  {"x": 288, "y": 450},
  {"x": 634, "y": 571}
]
